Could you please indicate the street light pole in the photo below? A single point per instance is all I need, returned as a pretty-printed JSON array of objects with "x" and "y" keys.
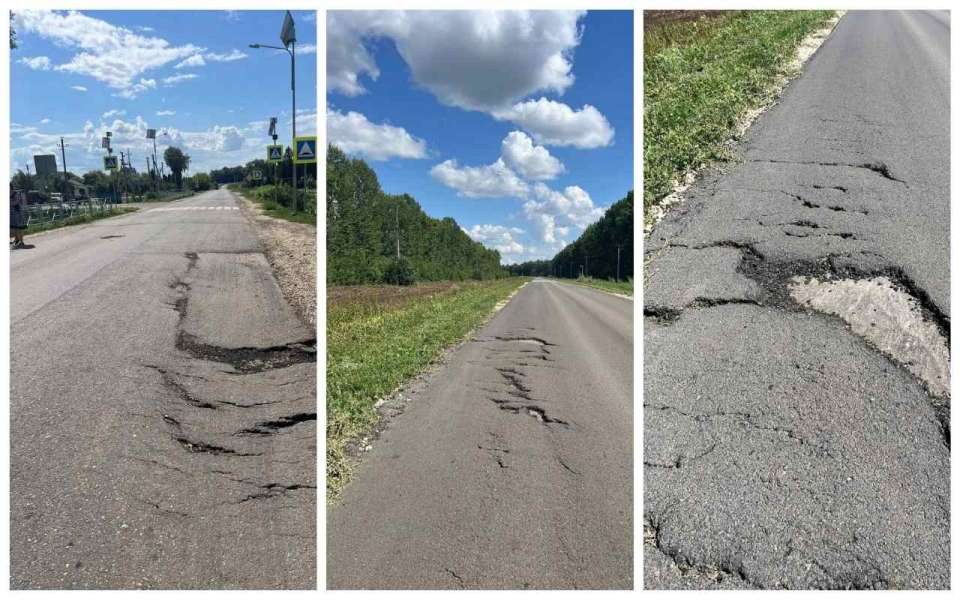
[{"x": 288, "y": 37}]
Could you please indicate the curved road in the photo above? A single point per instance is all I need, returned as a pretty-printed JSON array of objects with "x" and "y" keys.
[
  {"x": 511, "y": 467},
  {"x": 782, "y": 450},
  {"x": 163, "y": 408}
]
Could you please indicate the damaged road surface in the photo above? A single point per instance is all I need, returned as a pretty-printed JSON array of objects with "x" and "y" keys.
[
  {"x": 797, "y": 332},
  {"x": 510, "y": 465},
  {"x": 163, "y": 408}
]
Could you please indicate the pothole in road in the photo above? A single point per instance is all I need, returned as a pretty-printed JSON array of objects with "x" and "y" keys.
[{"x": 888, "y": 318}]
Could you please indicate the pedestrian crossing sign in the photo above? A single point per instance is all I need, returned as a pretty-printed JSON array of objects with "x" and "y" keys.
[
  {"x": 274, "y": 153},
  {"x": 110, "y": 163},
  {"x": 305, "y": 149}
]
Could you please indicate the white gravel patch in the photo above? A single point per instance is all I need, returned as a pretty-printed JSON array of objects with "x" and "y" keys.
[
  {"x": 888, "y": 318},
  {"x": 291, "y": 249}
]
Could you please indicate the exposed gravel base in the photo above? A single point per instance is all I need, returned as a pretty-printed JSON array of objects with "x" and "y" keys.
[{"x": 291, "y": 249}]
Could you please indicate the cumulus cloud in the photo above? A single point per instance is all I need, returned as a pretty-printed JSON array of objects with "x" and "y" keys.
[
  {"x": 487, "y": 181},
  {"x": 113, "y": 113},
  {"x": 500, "y": 238},
  {"x": 556, "y": 124},
  {"x": 547, "y": 208},
  {"x": 208, "y": 148},
  {"x": 166, "y": 113},
  {"x": 476, "y": 60},
  {"x": 533, "y": 162},
  {"x": 114, "y": 55},
  {"x": 355, "y": 134},
  {"x": 37, "y": 63}
]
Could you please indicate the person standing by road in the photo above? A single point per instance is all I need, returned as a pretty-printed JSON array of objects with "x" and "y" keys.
[{"x": 18, "y": 218}]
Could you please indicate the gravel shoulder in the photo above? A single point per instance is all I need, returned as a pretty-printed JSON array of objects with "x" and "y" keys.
[{"x": 291, "y": 249}]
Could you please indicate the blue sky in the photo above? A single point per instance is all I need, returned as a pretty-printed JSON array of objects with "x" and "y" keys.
[
  {"x": 191, "y": 74},
  {"x": 517, "y": 124}
]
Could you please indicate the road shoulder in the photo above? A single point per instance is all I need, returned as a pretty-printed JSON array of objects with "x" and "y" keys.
[{"x": 291, "y": 250}]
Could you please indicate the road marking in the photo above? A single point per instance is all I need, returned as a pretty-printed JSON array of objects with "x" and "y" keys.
[{"x": 169, "y": 208}]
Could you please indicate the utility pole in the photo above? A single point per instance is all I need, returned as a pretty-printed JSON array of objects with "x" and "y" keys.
[
  {"x": 63, "y": 155},
  {"x": 618, "y": 262}
]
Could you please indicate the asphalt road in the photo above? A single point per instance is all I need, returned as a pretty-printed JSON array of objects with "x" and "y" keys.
[
  {"x": 163, "y": 408},
  {"x": 781, "y": 450},
  {"x": 511, "y": 466}
]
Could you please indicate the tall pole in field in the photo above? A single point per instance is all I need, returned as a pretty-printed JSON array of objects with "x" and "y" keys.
[
  {"x": 63, "y": 155},
  {"x": 618, "y": 262}
]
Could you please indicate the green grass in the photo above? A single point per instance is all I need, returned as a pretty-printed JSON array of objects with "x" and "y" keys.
[
  {"x": 263, "y": 196},
  {"x": 621, "y": 287},
  {"x": 373, "y": 346},
  {"x": 166, "y": 196},
  {"x": 701, "y": 76},
  {"x": 78, "y": 220}
]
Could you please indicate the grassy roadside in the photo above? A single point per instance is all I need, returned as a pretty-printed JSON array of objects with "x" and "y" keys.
[
  {"x": 621, "y": 287},
  {"x": 377, "y": 340},
  {"x": 166, "y": 196},
  {"x": 79, "y": 220},
  {"x": 701, "y": 76},
  {"x": 263, "y": 196}
]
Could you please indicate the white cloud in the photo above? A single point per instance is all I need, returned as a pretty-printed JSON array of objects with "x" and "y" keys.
[
  {"x": 533, "y": 162},
  {"x": 166, "y": 113},
  {"x": 218, "y": 139},
  {"x": 232, "y": 56},
  {"x": 114, "y": 55},
  {"x": 78, "y": 88},
  {"x": 138, "y": 88},
  {"x": 546, "y": 207},
  {"x": 487, "y": 181},
  {"x": 476, "y": 60},
  {"x": 500, "y": 238},
  {"x": 200, "y": 60},
  {"x": 175, "y": 79},
  {"x": 44, "y": 121},
  {"x": 37, "y": 63},
  {"x": 306, "y": 49},
  {"x": 556, "y": 124},
  {"x": 354, "y": 134},
  {"x": 113, "y": 113},
  {"x": 306, "y": 121},
  {"x": 210, "y": 148},
  {"x": 194, "y": 61}
]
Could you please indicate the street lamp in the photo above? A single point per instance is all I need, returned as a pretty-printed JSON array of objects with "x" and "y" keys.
[{"x": 289, "y": 38}]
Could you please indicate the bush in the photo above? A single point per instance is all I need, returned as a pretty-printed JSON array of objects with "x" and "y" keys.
[
  {"x": 399, "y": 272},
  {"x": 152, "y": 196}
]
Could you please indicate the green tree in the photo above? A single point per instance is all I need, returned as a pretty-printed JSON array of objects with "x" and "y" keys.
[
  {"x": 178, "y": 163},
  {"x": 22, "y": 181}
]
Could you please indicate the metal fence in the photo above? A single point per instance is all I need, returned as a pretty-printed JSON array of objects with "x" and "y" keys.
[{"x": 53, "y": 212}]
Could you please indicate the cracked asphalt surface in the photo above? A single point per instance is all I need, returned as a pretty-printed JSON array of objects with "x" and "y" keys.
[
  {"x": 510, "y": 466},
  {"x": 163, "y": 408},
  {"x": 780, "y": 449}
]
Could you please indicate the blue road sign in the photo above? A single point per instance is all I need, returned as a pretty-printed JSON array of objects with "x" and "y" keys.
[{"x": 305, "y": 149}]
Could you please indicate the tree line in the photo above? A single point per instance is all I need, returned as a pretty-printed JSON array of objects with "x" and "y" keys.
[
  {"x": 595, "y": 252},
  {"x": 364, "y": 225}
]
